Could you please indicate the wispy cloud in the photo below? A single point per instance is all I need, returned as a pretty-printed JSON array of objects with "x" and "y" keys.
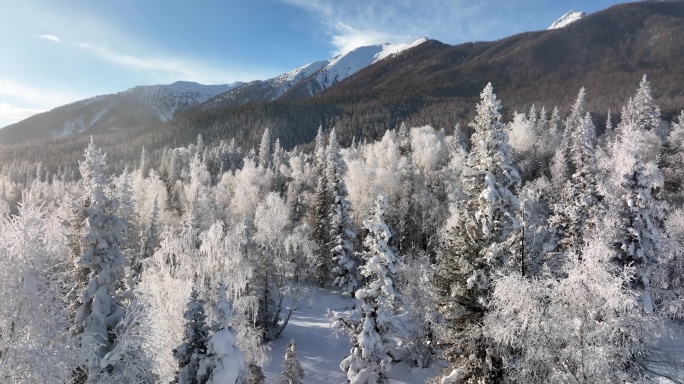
[
  {"x": 36, "y": 97},
  {"x": 345, "y": 38},
  {"x": 354, "y": 23},
  {"x": 54, "y": 38},
  {"x": 10, "y": 114},
  {"x": 181, "y": 69}
]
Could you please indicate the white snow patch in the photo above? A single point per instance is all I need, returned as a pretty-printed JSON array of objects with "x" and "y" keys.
[
  {"x": 394, "y": 49},
  {"x": 454, "y": 377},
  {"x": 71, "y": 127},
  {"x": 98, "y": 116},
  {"x": 347, "y": 64},
  {"x": 567, "y": 19}
]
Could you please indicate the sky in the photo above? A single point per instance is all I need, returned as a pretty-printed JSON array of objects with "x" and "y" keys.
[{"x": 56, "y": 52}]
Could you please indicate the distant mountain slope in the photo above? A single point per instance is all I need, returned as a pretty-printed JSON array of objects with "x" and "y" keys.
[
  {"x": 137, "y": 106},
  {"x": 567, "y": 19},
  {"x": 310, "y": 79}
]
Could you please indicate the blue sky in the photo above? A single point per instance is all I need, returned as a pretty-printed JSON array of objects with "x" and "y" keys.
[{"x": 56, "y": 52}]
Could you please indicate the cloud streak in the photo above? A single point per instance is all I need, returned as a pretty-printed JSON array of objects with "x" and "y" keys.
[
  {"x": 182, "y": 69},
  {"x": 51, "y": 38},
  {"x": 10, "y": 114},
  {"x": 354, "y": 23},
  {"x": 36, "y": 97}
]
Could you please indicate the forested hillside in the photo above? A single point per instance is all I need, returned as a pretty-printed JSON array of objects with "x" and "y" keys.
[{"x": 533, "y": 249}]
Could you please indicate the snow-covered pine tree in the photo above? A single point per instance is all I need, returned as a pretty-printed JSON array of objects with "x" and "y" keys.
[
  {"x": 292, "y": 369},
  {"x": 126, "y": 211},
  {"x": 97, "y": 296},
  {"x": 369, "y": 361},
  {"x": 673, "y": 161},
  {"x": 265, "y": 150},
  {"x": 224, "y": 363},
  {"x": 409, "y": 232},
  {"x": 128, "y": 362},
  {"x": 321, "y": 234},
  {"x": 636, "y": 210},
  {"x": 193, "y": 350},
  {"x": 339, "y": 223},
  {"x": 278, "y": 160},
  {"x": 484, "y": 241},
  {"x": 319, "y": 151},
  {"x": 641, "y": 111},
  {"x": 145, "y": 163},
  {"x": 575, "y": 212}
]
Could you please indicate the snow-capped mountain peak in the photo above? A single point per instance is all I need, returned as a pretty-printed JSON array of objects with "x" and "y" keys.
[
  {"x": 311, "y": 78},
  {"x": 567, "y": 19},
  {"x": 342, "y": 66}
]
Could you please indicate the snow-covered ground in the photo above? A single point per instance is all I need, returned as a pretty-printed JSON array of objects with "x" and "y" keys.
[
  {"x": 667, "y": 363},
  {"x": 319, "y": 349}
]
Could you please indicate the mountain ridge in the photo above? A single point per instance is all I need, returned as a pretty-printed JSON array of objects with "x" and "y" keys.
[
  {"x": 140, "y": 105},
  {"x": 312, "y": 78}
]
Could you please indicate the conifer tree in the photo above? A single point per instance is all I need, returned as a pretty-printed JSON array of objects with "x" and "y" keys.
[
  {"x": 369, "y": 360},
  {"x": 145, "y": 163},
  {"x": 321, "y": 234},
  {"x": 319, "y": 151},
  {"x": 635, "y": 209},
  {"x": 641, "y": 111},
  {"x": 126, "y": 211},
  {"x": 575, "y": 213},
  {"x": 191, "y": 352},
  {"x": 292, "y": 369},
  {"x": 97, "y": 296},
  {"x": 265, "y": 150},
  {"x": 483, "y": 241},
  {"x": 339, "y": 223}
]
